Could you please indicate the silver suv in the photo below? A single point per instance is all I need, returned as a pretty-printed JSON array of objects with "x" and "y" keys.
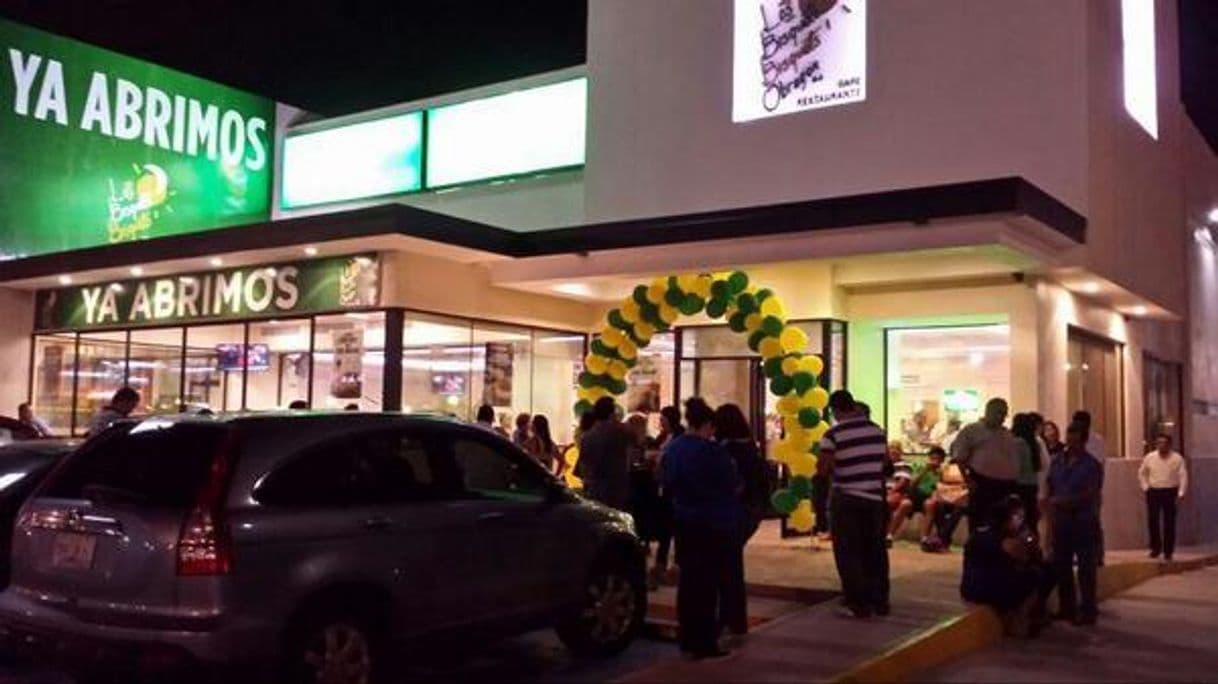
[{"x": 302, "y": 547}]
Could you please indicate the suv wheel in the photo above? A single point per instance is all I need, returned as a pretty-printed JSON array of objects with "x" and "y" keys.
[
  {"x": 615, "y": 603},
  {"x": 339, "y": 649}
]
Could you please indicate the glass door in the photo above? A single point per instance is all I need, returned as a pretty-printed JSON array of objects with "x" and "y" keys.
[{"x": 727, "y": 381}]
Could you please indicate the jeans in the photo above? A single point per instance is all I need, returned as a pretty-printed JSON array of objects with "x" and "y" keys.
[
  {"x": 733, "y": 594},
  {"x": 984, "y": 494},
  {"x": 703, "y": 553},
  {"x": 1076, "y": 540},
  {"x": 1162, "y": 503},
  {"x": 860, "y": 550},
  {"x": 820, "y": 502},
  {"x": 947, "y": 517}
]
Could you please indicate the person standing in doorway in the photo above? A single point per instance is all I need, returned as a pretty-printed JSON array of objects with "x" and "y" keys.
[
  {"x": 986, "y": 450},
  {"x": 858, "y": 515},
  {"x": 25, "y": 415},
  {"x": 1164, "y": 478},
  {"x": 705, "y": 489},
  {"x": 121, "y": 405},
  {"x": 733, "y": 432},
  {"x": 1073, "y": 487},
  {"x": 604, "y": 457}
]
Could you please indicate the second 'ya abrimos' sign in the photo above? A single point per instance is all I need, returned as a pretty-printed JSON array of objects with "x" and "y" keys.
[
  {"x": 98, "y": 148},
  {"x": 249, "y": 292},
  {"x": 794, "y": 55}
]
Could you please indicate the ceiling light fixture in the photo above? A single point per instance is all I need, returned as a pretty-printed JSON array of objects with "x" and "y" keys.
[
  {"x": 137, "y": 271},
  {"x": 1139, "y": 310},
  {"x": 216, "y": 262},
  {"x": 1091, "y": 287},
  {"x": 310, "y": 251},
  {"x": 1213, "y": 215},
  {"x": 65, "y": 280}
]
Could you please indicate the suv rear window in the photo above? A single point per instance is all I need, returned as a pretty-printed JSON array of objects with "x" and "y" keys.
[{"x": 162, "y": 465}]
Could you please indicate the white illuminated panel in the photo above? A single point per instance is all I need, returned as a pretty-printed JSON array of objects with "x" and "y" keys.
[
  {"x": 1141, "y": 83},
  {"x": 367, "y": 159},
  {"x": 794, "y": 56},
  {"x": 507, "y": 135}
]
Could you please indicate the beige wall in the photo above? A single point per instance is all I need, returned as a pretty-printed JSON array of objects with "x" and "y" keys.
[{"x": 17, "y": 310}]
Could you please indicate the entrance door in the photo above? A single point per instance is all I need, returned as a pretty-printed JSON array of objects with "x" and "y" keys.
[{"x": 727, "y": 381}]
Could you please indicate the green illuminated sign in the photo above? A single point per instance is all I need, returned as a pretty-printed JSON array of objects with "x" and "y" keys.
[
  {"x": 526, "y": 131},
  {"x": 98, "y": 148},
  {"x": 367, "y": 159},
  {"x": 247, "y": 292}
]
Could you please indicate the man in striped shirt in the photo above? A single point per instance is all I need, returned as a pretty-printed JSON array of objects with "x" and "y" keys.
[{"x": 855, "y": 449}]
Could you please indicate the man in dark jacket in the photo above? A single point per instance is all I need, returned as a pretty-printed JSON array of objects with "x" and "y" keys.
[{"x": 604, "y": 458}]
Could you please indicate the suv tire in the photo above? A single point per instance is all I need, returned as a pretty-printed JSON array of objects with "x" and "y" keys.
[
  {"x": 335, "y": 647},
  {"x": 611, "y": 617}
]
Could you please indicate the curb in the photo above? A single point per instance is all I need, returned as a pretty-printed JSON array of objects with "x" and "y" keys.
[{"x": 980, "y": 627}]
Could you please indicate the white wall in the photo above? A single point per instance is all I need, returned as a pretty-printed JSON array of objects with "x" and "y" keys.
[{"x": 957, "y": 90}]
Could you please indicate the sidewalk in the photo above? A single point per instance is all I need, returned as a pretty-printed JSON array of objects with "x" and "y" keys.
[{"x": 816, "y": 645}]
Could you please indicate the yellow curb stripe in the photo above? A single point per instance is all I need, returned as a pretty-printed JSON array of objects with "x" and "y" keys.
[{"x": 981, "y": 627}]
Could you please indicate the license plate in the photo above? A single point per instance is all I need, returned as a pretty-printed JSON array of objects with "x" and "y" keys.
[{"x": 73, "y": 551}]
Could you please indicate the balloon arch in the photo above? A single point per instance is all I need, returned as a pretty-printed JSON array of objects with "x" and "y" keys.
[{"x": 757, "y": 313}]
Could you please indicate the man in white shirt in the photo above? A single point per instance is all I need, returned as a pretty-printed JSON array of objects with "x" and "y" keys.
[{"x": 1164, "y": 478}]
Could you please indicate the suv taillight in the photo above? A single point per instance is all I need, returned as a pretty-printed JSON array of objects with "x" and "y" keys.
[{"x": 204, "y": 545}]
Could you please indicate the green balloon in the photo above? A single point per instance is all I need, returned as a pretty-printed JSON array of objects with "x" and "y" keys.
[
  {"x": 674, "y": 297},
  {"x": 616, "y": 386},
  {"x": 720, "y": 289},
  {"x": 816, "y": 449},
  {"x": 616, "y": 320},
  {"x": 772, "y": 326},
  {"x": 801, "y": 487},
  {"x": 582, "y": 406},
  {"x": 738, "y": 281},
  {"x": 773, "y": 367},
  {"x": 764, "y": 294},
  {"x": 755, "y": 339},
  {"x": 587, "y": 379},
  {"x": 784, "y": 501},
  {"x": 746, "y": 303},
  {"x": 640, "y": 295},
  {"x": 650, "y": 313},
  {"x": 803, "y": 382},
  {"x": 715, "y": 308},
  {"x": 736, "y": 322},
  {"x": 601, "y": 349},
  {"x": 692, "y": 304},
  {"x": 780, "y": 385},
  {"x": 809, "y": 417}
]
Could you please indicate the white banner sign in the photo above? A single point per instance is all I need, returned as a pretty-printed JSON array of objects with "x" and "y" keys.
[{"x": 795, "y": 55}]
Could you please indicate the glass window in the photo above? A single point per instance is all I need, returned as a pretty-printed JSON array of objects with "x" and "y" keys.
[
  {"x": 147, "y": 464},
  {"x": 279, "y": 367},
  {"x": 215, "y": 361},
  {"x": 719, "y": 340},
  {"x": 490, "y": 474},
  {"x": 323, "y": 476},
  {"x": 940, "y": 378},
  {"x": 436, "y": 361},
  {"x": 1094, "y": 384},
  {"x": 1163, "y": 401},
  {"x": 54, "y": 366},
  {"x": 649, "y": 384},
  {"x": 501, "y": 371},
  {"x": 101, "y": 370},
  {"x": 557, "y": 362},
  {"x": 154, "y": 367},
  {"x": 349, "y": 361}
]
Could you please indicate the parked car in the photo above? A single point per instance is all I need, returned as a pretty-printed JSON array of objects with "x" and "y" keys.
[
  {"x": 305, "y": 546},
  {"x": 22, "y": 467}
]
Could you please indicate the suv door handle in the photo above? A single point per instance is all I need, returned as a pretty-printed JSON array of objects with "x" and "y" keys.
[
  {"x": 377, "y": 523},
  {"x": 490, "y": 517}
]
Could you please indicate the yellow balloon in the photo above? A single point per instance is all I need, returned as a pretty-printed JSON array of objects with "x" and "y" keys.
[
  {"x": 818, "y": 431},
  {"x": 627, "y": 349},
  {"x": 630, "y": 310},
  {"x": 802, "y": 439},
  {"x": 655, "y": 293},
  {"x": 817, "y": 398},
  {"x": 668, "y": 314},
  {"x": 788, "y": 405},
  {"x": 802, "y": 519},
  {"x": 687, "y": 282},
  {"x": 772, "y": 306},
  {"x": 611, "y": 336},
  {"x": 643, "y": 330},
  {"x": 703, "y": 287},
  {"x": 783, "y": 452},
  {"x": 793, "y": 339},
  {"x": 752, "y": 322},
  {"x": 571, "y": 458},
  {"x": 790, "y": 425},
  {"x": 770, "y": 348},
  {"x": 802, "y": 464},
  {"x": 596, "y": 365},
  {"x": 617, "y": 370},
  {"x": 790, "y": 365},
  {"x": 660, "y": 283},
  {"x": 811, "y": 364},
  {"x": 592, "y": 393}
]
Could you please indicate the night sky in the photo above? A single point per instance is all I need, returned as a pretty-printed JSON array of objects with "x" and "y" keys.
[{"x": 349, "y": 55}]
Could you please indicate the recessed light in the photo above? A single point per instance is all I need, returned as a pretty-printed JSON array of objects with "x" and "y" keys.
[
  {"x": 271, "y": 271},
  {"x": 1091, "y": 287},
  {"x": 1139, "y": 310},
  {"x": 1213, "y": 215},
  {"x": 117, "y": 287},
  {"x": 65, "y": 280},
  {"x": 216, "y": 261},
  {"x": 310, "y": 251},
  {"x": 137, "y": 271}
]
